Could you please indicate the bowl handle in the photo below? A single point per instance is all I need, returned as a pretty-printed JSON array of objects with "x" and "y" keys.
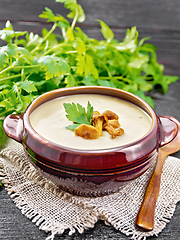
[
  {"x": 13, "y": 126},
  {"x": 168, "y": 129}
]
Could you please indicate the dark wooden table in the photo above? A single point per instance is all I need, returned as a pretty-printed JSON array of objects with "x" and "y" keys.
[{"x": 156, "y": 19}]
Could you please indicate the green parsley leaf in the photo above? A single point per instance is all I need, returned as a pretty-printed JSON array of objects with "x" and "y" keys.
[
  {"x": 28, "y": 86},
  {"x": 78, "y": 115},
  {"x": 89, "y": 81},
  {"x": 106, "y": 31},
  {"x": 90, "y": 111},
  {"x": 54, "y": 66},
  {"x": 75, "y": 8},
  {"x": 70, "y": 81},
  {"x": 73, "y": 126},
  {"x": 2, "y": 133},
  {"x": 48, "y": 14},
  {"x": 7, "y": 34},
  {"x": 144, "y": 97}
]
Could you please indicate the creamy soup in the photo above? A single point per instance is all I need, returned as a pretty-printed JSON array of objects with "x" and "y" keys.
[{"x": 49, "y": 120}]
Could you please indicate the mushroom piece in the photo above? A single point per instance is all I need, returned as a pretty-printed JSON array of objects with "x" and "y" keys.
[
  {"x": 107, "y": 121},
  {"x": 96, "y": 113},
  {"x": 110, "y": 115},
  {"x": 114, "y": 123},
  {"x": 114, "y": 132},
  {"x": 98, "y": 120},
  {"x": 87, "y": 131}
]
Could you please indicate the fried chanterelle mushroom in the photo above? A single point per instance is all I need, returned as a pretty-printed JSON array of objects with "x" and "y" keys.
[
  {"x": 107, "y": 121},
  {"x": 112, "y": 125},
  {"x": 87, "y": 131},
  {"x": 98, "y": 121}
]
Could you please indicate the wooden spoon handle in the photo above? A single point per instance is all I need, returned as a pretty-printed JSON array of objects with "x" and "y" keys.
[{"x": 145, "y": 217}]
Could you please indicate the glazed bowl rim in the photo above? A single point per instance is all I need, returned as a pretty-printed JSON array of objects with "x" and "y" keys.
[{"x": 43, "y": 140}]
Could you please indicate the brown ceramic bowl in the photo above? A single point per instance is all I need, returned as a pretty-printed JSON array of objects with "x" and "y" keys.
[{"x": 91, "y": 172}]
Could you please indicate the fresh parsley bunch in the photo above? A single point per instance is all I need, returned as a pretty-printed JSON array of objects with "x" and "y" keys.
[{"x": 31, "y": 64}]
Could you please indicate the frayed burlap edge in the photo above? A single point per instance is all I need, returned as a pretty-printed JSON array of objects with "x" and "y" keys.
[{"x": 31, "y": 175}]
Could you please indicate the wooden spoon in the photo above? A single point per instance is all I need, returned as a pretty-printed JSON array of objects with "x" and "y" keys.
[{"x": 145, "y": 217}]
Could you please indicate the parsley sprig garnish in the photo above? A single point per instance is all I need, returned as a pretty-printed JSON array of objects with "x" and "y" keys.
[
  {"x": 78, "y": 114},
  {"x": 31, "y": 65}
]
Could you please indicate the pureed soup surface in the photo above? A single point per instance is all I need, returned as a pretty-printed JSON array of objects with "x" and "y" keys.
[{"x": 49, "y": 120}]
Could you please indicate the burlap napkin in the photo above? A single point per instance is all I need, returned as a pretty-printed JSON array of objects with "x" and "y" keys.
[{"x": 54, "y": 210}]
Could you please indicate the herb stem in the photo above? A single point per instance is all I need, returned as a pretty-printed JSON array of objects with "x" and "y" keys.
[
  {"x": 10, "y": 61},
  {"x": 44, "y": 39},
  {"x": 60, "y": 45},
  {"x": 10, "y": 77},
  {"x": 69, "y": 52},
  {"x": 50, "y": 50},
  {"x": 5, "y": 112},
  {"x": 109, "y": 73},
  {"x": 74, "y": 20},
  {"x": 5, "y": 70},
  {"x": 17, "y": 67},
  {"x": 118, "y": 78},
  {"x": 10, "y": 67},
  {"x": 28, "y": 66}
]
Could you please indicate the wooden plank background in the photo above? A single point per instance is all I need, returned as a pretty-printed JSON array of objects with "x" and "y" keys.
[{"x": 159, "y": 20}]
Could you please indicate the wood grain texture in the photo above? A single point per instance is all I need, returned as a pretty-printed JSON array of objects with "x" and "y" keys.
[
  {"x": 158, "y": 20},
  {"x": 161, "y": 14},
  {"x": 15, "y": 226}
]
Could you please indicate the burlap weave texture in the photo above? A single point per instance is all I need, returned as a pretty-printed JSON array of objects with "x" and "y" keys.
[{"x": 54, "y": 210}]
